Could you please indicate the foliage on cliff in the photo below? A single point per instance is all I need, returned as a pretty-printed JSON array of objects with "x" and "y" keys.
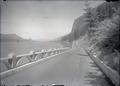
[
  {"x": 103, "y": 34},
  {"x": 102, "y": 26}
]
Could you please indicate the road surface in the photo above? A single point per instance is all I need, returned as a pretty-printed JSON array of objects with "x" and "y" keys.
[{"x": 68, "y": 69}]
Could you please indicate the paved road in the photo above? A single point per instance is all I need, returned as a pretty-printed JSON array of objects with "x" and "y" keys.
[{"x": 68, "y": 68}]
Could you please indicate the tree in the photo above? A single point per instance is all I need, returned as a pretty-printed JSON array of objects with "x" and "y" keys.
[{"x": 90, "y": 19}]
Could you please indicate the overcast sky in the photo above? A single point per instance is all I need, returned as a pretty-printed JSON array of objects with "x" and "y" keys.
[{"x": 40, "y": 20}]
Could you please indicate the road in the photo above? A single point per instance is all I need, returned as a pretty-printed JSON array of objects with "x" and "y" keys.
[{"x": 68, "y": 69}]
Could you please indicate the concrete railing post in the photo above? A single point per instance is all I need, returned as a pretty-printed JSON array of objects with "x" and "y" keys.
[
  {"x": 13, "y": 60},
  {"x": 32, "y": 56},
  {"x": 49, "y": 53}
]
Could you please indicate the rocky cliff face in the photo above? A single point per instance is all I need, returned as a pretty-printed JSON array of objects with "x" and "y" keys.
[
  {"x": 100, "y": 13},
  {"x": 79, "y": 29},
  {"x": 104, "y": 37}
]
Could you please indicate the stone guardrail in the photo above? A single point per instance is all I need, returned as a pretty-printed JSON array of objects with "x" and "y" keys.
[
  {"x": 109, "y": 72},
  {"x": 13, "y": 65}
]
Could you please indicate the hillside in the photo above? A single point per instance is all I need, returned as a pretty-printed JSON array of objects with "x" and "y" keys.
[
  {"x": 99, "y": 13},
  {"x": 99, "y": 27},
  {"x": 10, "y": 37}
]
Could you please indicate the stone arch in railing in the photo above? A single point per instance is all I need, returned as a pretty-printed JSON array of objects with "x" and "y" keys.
[
  {"x": 22, "y": 61},
  {"x": 11, "y": 62}
]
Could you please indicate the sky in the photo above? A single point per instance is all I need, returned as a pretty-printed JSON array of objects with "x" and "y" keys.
[{"x": 40, "y": 20}]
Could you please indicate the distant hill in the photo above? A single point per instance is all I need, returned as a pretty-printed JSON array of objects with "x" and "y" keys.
[{"x": 10, "y": 37}]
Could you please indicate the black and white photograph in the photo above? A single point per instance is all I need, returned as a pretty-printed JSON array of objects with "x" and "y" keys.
[{"x": 59, "y": 43}]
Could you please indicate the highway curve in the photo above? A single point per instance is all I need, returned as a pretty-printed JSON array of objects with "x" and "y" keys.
[{"x": 68, "y": 69}]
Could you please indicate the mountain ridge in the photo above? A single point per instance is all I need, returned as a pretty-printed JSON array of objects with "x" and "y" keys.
[{"x": 10, "y": 37}]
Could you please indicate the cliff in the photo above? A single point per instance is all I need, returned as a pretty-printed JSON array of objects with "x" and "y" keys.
[{"x": 99, "y": 32}]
